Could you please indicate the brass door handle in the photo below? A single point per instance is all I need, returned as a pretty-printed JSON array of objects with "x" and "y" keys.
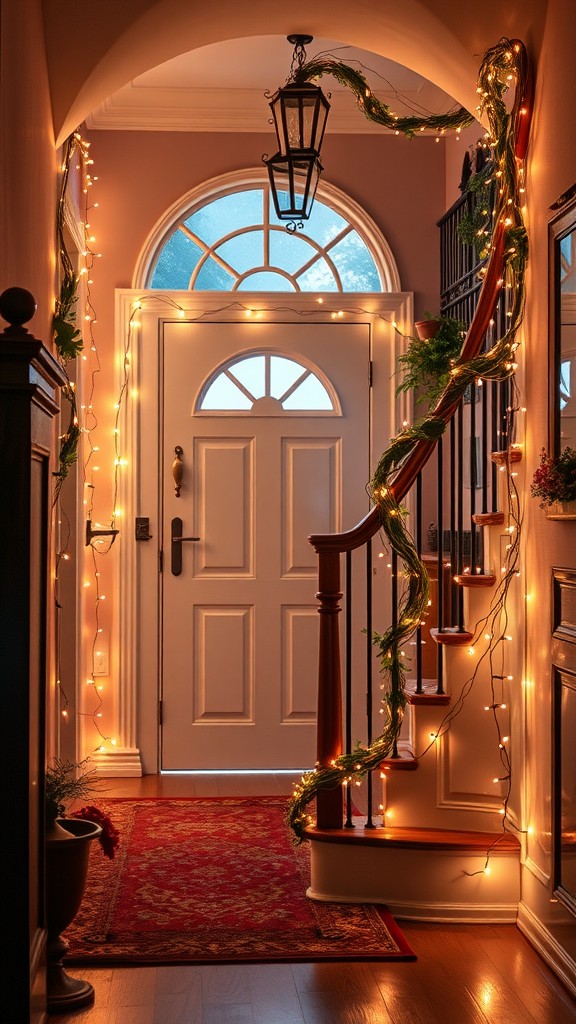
[
  {"x": 176, "y": 540},
  {"x": 178, "y": 469}
]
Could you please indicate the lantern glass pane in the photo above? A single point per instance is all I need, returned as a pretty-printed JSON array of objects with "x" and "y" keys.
[{"x": 295, "y": 138}]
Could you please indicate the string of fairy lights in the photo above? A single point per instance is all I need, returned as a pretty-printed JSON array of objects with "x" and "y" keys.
[
  {"x": 504, "y": 246},
  {"x": 75, "y": 341}
]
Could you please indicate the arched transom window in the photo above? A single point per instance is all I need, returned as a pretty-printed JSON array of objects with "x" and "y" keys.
[
  {"x": 234, "y": 242},
  {"x": 266, "y": 383}
]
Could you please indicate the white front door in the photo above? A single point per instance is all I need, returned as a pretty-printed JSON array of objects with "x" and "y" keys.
[{"x": 270, "y": 423}]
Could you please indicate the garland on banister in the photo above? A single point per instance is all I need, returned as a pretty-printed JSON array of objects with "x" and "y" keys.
[{"x": 506, "y": 247}]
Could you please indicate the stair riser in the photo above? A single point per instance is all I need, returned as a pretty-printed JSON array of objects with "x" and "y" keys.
[{"x": 418, "y": 884}]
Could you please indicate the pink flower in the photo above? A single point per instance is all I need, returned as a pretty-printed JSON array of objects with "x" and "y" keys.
[{"x": 109, "y": 837}]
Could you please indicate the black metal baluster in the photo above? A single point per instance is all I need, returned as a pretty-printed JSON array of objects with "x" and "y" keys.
[
  {"x": 460, "y": 517},
  {"x": 453, "y": 567},
  {"x": 419, "y": 549},
  {"x": 440, "y": 562},
  {"x": 495, "y": 443},
  {"x": 348, "y": 679},
  {"x": 369, "y": 684},
  {"x": 395, "y": 621},
  {"x": 473, "y": 476}
]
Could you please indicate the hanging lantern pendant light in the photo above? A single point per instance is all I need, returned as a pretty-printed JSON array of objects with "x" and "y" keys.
[{"x": 299, "y": 112}]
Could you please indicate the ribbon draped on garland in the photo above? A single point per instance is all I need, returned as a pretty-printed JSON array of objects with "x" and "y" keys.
[{"x": 398, "y": 467}]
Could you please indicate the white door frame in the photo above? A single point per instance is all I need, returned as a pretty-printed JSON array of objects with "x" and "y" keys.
[{"x": 390, "y": 317}]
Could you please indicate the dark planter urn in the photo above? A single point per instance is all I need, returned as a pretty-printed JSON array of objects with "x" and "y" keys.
[{"x": 67, "y": 854}]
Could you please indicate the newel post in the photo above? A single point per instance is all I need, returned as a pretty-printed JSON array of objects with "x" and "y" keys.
[
  {"x": 30, "y": 382},
  {"x": 329, "y": 801}
]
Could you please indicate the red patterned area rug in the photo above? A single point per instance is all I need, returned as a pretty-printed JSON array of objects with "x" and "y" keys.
[{"x": 216, "y": 881}]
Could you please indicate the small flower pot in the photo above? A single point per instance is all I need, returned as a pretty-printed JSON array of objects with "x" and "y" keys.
[{"x": 426, "y": 329}]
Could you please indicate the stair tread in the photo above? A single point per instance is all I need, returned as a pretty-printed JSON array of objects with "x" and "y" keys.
[
  {"x": 507, "y": 456},
  {"x": 428, "y": 695},
  {"x": 419, "y": 838},
  {"x": 477, "y": 579},
  {"x": 399, "y": 764},
  {"x": 451, "y": 636},
  {"x": 488, "y": 518}
]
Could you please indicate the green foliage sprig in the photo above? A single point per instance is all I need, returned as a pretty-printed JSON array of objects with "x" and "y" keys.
[
  {"x": 66, "y": 334},
  {"x": 66, "y": 781},
  {"x": 426, "y": 364},
  {"x": 475, "y": 227}
]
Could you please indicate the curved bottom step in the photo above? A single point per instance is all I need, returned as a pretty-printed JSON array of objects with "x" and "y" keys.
[{"x": 434, "y": 875}]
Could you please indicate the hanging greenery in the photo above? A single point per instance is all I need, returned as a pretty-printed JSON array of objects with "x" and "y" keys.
[
  {"x": 506, "y": 248},
  {"x": 426, "y": 364},
  {"x": 66, "y": 334},
  {"x": 475, "y": 226}
]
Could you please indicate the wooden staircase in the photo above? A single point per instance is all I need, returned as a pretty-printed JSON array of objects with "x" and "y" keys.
[{"x": 440, "y": 854}]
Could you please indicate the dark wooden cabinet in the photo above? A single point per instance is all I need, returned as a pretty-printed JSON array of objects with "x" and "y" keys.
[{"x": 30, "y": 379}]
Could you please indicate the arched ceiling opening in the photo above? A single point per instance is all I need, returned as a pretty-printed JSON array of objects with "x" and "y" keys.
[
  {"x": 147, "y": 34},
  {"x": 222, "y": 87}
]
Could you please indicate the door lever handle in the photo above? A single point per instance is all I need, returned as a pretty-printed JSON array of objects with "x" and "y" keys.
[{"x": 176, "y": 541}]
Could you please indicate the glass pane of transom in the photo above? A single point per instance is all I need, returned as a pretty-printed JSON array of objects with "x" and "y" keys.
[
  {"x": 244, "y": 251},
  {"x": 311, "y": 394},
  {"x": 224, "y": 394},
  {"x": 228, "y": 213},
  {"x": 251, "y": 373},
  {"x": 289, "y": 250},
  {"x": 355, "y": 265},
  {"x": 213, "y": 278},
  {"x": 318, "y": 278},
  {"x": 266, "y": 281},
  {"x": 176, "y": 263},
  {"x": 283, "y": 373}
]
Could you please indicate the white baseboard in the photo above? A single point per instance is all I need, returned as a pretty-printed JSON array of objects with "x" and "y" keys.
[
  {"x": 120, "y": 763},
  {"x": 548, "y": 947}
]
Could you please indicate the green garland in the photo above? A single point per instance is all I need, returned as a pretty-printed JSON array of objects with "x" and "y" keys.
[
  {"x": 373, "y": 108},
  {"x": 506, "y": 58},
  {"x": 67, "y": 336}
]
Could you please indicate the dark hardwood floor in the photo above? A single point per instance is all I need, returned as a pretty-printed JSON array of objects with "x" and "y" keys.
[{"x": 464, "y": 974}]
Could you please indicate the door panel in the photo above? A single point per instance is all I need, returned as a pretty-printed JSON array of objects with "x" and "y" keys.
[
  {"x": 225, "y": 521},
  {"x": 240, "y": 623},
  {"x": 305, "y": 460}
]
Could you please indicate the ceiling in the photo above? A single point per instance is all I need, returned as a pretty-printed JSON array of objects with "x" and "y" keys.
[{"x": 222, "y": 88}]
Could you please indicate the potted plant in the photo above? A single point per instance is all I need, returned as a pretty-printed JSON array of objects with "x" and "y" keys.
[
  {"x": 68, "y": 839},
  {"x": 554, "y": 483},
  {"x": 427, "y": 360}
]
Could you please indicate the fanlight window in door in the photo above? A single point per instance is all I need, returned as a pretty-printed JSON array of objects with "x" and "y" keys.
[
  {"x": 235, "y": 242},
  {"x": 267, "y": 384}
]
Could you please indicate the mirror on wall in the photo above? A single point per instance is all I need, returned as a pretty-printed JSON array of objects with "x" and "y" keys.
[
  {"x": 564, "y": 729},
  {"x": 563, "y": 324}
]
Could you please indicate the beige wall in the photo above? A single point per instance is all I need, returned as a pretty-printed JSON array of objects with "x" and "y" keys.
[
  {"x": 552, "y": 169},
  {"x": 27, "y": 161}
]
